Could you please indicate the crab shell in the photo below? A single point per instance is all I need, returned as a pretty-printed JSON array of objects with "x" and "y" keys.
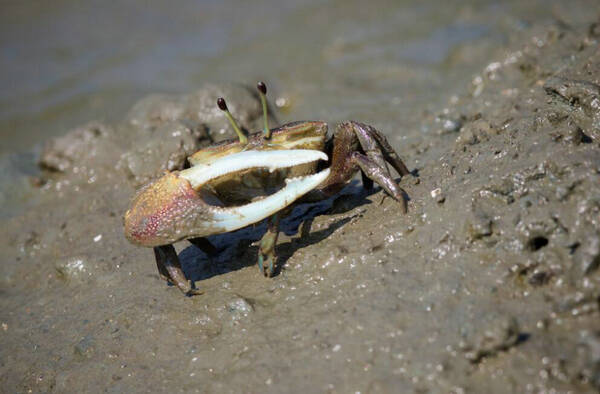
[{"x": 203, "y": 199}]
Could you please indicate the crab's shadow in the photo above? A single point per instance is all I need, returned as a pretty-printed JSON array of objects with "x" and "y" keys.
[{"x": 236, "y": 250}]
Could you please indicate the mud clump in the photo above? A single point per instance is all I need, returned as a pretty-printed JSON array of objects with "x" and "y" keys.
[
  {"x": 158, "y": 134},
  {"x": 501, "y": 335},
  {"x": 62, "y": 153}
]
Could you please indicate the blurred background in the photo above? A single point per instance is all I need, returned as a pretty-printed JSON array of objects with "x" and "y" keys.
[{"x": 67, "y": 62}]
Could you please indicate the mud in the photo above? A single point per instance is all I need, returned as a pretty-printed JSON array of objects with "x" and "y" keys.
[{"x": 489, "y": 283}]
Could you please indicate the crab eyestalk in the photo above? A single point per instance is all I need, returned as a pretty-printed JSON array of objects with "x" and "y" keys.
[
  {"x": 262, "y": 92},
  {"x": 223, "y": 107}
]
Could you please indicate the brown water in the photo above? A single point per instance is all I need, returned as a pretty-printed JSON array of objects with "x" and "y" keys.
[{"x": 460, "y": 295}]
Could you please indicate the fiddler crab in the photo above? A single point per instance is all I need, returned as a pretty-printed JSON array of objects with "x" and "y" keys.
[{"x": 237, "y": 183}]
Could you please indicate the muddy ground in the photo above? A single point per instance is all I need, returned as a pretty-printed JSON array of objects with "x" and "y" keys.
[{"x": 489, "y": 283}]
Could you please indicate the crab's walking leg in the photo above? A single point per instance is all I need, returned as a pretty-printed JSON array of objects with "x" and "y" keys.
[
  {"x": 389, "y": 153},
  {"x": 359, "y": 146},
  {"x": 204, "y": 245},
  {"x": 266, "y": 249},
  {"x": 306, "y": 227},
  {"x": 380, "y": 175},
  {"x": 162, "y": 270},
  {"x": 378, "y": 150},
  {"x": 168, "y": 263},
  {"x": 377, "y": 147}
]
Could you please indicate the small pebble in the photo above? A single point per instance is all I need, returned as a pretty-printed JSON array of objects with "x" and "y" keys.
[{"x": 438, "y": 195}]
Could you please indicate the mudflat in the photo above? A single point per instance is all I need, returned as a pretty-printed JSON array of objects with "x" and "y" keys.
[{"x": 489, "y": 283}]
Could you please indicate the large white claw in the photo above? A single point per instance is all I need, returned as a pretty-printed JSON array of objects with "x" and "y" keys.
[
  {"x": 233, "y": 218},
  {"x": 238, "y": 217},
  {"x": 272, "y": 160}
]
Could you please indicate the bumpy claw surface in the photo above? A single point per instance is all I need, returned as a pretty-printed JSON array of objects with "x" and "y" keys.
[{"x": 163, "y": 210}]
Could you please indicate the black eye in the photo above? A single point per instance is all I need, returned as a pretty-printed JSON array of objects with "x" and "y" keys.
[
  {"x": 262, "y": 87},
  {"x": 222, "y": 104}
]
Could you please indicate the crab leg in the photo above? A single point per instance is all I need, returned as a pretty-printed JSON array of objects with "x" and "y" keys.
[
  {"x": 266, "y": 251},
  {"x": 160, "y": 256},
  {"x": 389, "y": 153},
  {"x": 169, "y": 268},
  {"x": 368, "y": 143},
  {"x": 377, "y": 147},
  {"x": 380, "y": 175},
  {"x": 359, "y": 146}
]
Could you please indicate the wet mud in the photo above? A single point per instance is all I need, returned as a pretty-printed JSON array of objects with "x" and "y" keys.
[{"x": 491, "y": 282}]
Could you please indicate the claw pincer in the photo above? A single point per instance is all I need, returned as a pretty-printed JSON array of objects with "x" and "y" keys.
[{"x": 174, "y": 208}]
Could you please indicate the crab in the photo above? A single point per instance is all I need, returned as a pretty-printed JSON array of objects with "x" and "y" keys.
[{"x": 237, "y": 183}]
